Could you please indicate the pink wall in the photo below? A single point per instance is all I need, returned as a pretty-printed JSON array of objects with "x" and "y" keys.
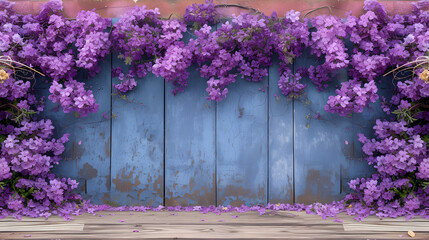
[{"x": 114, "y": 8}]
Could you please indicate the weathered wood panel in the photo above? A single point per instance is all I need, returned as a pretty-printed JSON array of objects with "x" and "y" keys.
[
  {"x": 280, "y": 125},
  {"x": 190, "y": 148},
  {"x": 249, "y": 225},
  {"x": 241, "y": 138},
  {"x": 137, "y": 143},
  {"x": 354, "y": 164},
  {"x": 190, "y": 145},
  {"x": 318, "y": 143},
  {"x": 87, "y": 154},
  {"x": 40, "y": 227}
]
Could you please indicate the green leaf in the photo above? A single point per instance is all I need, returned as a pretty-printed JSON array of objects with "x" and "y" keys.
[
  {"x": 128, "y": 60},
  {"x": 2, "y": 138},
  {"x": 426, "y": 138}
]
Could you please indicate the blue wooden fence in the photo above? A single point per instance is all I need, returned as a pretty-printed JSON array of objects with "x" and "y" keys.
[{"x": 251, "y": 148}]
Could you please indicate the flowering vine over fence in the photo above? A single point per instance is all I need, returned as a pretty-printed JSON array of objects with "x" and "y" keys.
[{"x": 242, "y": 47}]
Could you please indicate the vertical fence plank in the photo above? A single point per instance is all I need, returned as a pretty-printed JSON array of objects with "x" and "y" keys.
[
  {"x": 138, "y": 142},
  {"x": 87, "y": 154},
  {"x": 318, "y": 144},
  {"x": 280, "y": 142},
  {"x": 355, "y": 164},
  {"x": 190, "y": 145},
  {"x": 242, "y": 145}
]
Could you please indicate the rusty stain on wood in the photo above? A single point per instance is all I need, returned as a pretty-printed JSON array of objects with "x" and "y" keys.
[
  {"x": 158, "y": 186},
  {"x": 287, "y": 191},
  {"x": 88, "y": 172},
  {"x": 107, "y": 200},
  {"x": 107, "y": 147},
  {"x": 108, "y": 181},
  {"x": 205, "y": 197},
  {"x": 124, "y": 182},
  {"x": 319, "y": 183},
  {"x": 237, "y": 194}
]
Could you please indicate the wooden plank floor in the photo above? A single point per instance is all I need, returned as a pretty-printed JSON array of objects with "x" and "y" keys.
[{"x": 194, "y": 225}]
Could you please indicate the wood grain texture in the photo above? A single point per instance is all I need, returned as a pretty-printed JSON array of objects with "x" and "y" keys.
[
  {"x": 387, "y": 227},
  {"x": 280, "y": 125},
  {"x": 137, "y": 165},
  {"x": 188, "y": 225},
  {"x": 241, "y": 135},
  {"x": 318, "y": 143},
  {"x": 40, "y": 227},
  {"x": 190, "y": 145}
]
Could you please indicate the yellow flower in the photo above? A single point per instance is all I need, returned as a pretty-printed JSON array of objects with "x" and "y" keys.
[
  {"x": 278, "y": 204},
  {"x": 425, "y": 76},
  {"x": 3, "y": 75},
  {"x": 350, "y": 206},
  {"x": 224, "y": 208}
]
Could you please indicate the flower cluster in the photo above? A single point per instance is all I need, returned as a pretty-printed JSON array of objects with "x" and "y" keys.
[
  {"x": 201, "y": 14},
  {"x": 237, "y": 47},
  {"x": 352, "y": 97},
  {"x": 173, "y": 66},
  {"x": 289, "y": 84},
  {"x": 327, "y": 41},
  {"x": 39, "y": 197},
  {"x": 245, "y": 47},
  {"x": 56, "y": 46},
  {"x": 73, "y": 97},
  {"x": 27, "y": 154},
  {"x": 147, "y": 43},
  {"x": 127, "y": 81},
  {"x": 31, "y": 156},
  {"x": 92, "y": 40},
  {"x": 399, "y": 153},
  {"x": 380, "y": 42},
  {"x": 290, "y": 37}
]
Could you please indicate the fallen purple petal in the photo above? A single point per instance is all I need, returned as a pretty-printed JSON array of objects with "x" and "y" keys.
[
  {"x": 136, "y": 231},
  {"x": 121, "y": 220}
]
